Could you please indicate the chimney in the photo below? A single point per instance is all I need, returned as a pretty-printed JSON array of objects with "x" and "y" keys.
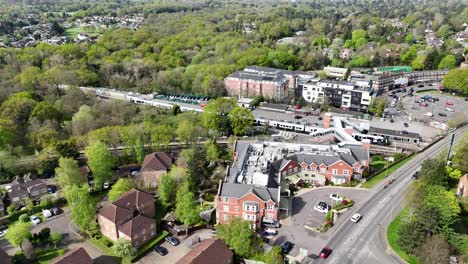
[
  {"x": 366, "y": 144},
  {"x": 326, "y": 120}
]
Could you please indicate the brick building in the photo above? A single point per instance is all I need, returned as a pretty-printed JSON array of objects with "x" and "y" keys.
[
  {"x": 209, "y": 251},
  {"x": 249, "y": 202},
  {"x": 130, "y": 217},
  {"x": 29, "y": 189},
  {"x": 154, "y": 165}
]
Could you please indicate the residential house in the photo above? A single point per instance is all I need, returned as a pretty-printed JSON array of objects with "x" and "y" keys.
[
  {"x": 336, "y": 72},
  {"x": 29, "y": 189},
  {"x": 130, "y": 217},
  {"x": 462, "y": 189},
  {"x": 209, "y": 251},
  {"x": 155, "y": 165},
  {"x": 74, "y": 256},
  {"x": 346, "y": 54}
]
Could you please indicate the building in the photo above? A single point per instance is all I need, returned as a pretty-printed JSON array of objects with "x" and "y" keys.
[
  {"x": 312, "y": 92},
  {"x": 209, "y": 251},
  {"x": 396, "y": 135},
  {"x": 130, "y": 217},
  {"x": 255, "y": 80},
  {"x": 347, "y": 95},
  {"x": 346, "y": 54},
  {"x": 462, "y": 189},
  {"x": 154, "y": 165},
  {"x": 74, "y": 256},
  {"x": 336, "y": 72},
  {"x": 29, "y": 189}
]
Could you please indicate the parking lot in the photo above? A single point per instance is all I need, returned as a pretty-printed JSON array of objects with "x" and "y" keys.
[{"x": 303, "y": 213}]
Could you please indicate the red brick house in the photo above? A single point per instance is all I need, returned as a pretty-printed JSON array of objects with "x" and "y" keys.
[
  {"x": 462, "y": 189},
  {"x": 75, "y": 256},
  {"x": 249, "y": 202},
  {"x": 130, "y": 217},
  {"x": 209, "y": 251},
  {"x": 155, "y": 165}
]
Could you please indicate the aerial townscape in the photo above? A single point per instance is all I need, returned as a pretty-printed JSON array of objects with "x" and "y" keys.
[{"x": 233, "y": 132}]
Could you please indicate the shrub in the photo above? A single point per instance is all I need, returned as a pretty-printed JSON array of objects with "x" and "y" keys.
[
  {"x": 23, "y": 218},
  {"x": 344, "y": 202}
]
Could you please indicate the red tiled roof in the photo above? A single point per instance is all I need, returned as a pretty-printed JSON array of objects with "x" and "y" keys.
[
  {"x": 209, "y": 251},
  {"x": 136, "y": 225},
  {"x": 115, "y": 213},
  {"x": 133, "y": 199},
  {"x": 156, "y": 161},
  {"x": 76, "y": 256}
]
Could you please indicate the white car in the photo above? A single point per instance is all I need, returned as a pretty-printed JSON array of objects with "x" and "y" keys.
[
  {"x": 320, "y": 209},
  {"x": 449, "y": 109},
  {"x": 356, "y": 217},
  {"x": 35, "y": 220},
  {"x": 271, "y": 231},
  {"x": 336, "y": 197},
  {"x": 106, "y": 185},
  {"x": 47, "y": 213},
  {"x": 3, "y": 233},
  {"x": 428, "y": 114},
  {"x": 8, "y": 188}
]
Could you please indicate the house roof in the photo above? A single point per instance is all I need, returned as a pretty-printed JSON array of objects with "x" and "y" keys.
[
  {"x": 115, "y": 213},
  {"x": 76, "y": 256},
  {"x": 391, "y": 132},
  {"x": 133, "y": 199},
  {"x": 25, "y": 187},
  {"x": 136, "y": 225},
  {"x": 156, "y": 161},
  {"x": 234, "y": 190},
  {"x": 209, "y": 251}
]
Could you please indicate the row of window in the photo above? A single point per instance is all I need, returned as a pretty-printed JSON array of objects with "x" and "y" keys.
[{"x": 250, "y": 208}]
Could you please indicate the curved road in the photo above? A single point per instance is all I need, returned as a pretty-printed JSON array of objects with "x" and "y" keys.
[{"x": 366, "y": 242}]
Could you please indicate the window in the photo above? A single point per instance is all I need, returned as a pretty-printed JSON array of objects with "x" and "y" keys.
[
  {"x": 323, "y": 169},
  {"x": 313, "y": 169},
  {"x": 356, "y": 169},
  {"x": 345, "y": 172},
  {"x": 226, "y": 217},
  {"x": 334, "y": 171},
  {"x": 270, "y": 207},
  {"x": 225, "y": 199},
  {"x": 236, "y": 209},
  {"x": 226, "y": 208}
]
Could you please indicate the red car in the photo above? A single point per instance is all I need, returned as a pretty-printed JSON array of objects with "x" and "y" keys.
[
  {"x": 449, "y": 103},
  {"x": 423, "y": 104},
  {"x": 326, "y": 251}
]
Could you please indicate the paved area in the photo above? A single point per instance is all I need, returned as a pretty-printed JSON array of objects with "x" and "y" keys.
[
  {"x": 304, "y": 214},
  {"x": 175, "y": 252}
]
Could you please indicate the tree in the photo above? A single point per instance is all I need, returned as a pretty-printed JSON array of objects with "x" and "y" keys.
[
  {"x": 17, "y": 108},
  {"x": 55, "y": 238},
  {"x": 215, "y": 115},
  {"x": 240, "y": 237},
  {"x": 121, "y": 186},
  {"x": 167, "y": 189},
  {"x": 213, "y": 153},
  {"x": 273, "y": 256},
  {"x": 186, "y": 131},
  {"x": 434, "y": 249},
  {"x": 28, "y": 204},
  {"x": 44, "y": 111},
  {"x": 359, "y": 61},
  {"x": 68, "y": 173},
  {"x": 433, "y": 172},
  {"x": 29, "y": 77},
  {"x": 100, "y": 162},
  {"x": 301, "y": 101},
  {"x": 419, "y": 63},
  {"x": 28, "y": 249},
  {"x": 186, "y": 210},
  {"x": 377, "y": 105},
  {"x": 123, "y": 248},
  {"x": 82, "y": 206},
  {"x": 241, "y": 119},
  {"x": 456, "y": 79},
  {"x": 17, "y": 233},
  {"x": 359, "y": 38},
  {"x": 83, "y": 121},
  {"x": 176, "y": 109},
  {"x": 460, "y": 153},
  {"x": 448, "y": 62}
]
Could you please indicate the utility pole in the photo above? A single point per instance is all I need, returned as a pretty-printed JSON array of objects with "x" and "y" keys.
[{"x": 450, "y": 147}]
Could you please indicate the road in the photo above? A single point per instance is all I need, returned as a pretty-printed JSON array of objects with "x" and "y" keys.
[{"x": 366, "y": 241}]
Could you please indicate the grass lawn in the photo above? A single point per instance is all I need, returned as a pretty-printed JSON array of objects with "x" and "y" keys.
[
  {"x": 379, "y": 177},
  {"x": 378, "y": 165},
  {"x": 92, "y": 31},
  {"x": 44, "y": 256},
  {"x": 392, "y": 238}
]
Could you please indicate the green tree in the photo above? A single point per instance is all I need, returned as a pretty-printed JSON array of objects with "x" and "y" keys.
[
  {"x": 273, "y": 256},
  {"x": 17, "y": 108},
  {"x": 83, "y": 121},
  {"x": 433, "y": 172},
  {"x": 409, "y": 55},
  {"x": 456, "y": 79},
  {"x": 213, "y": 152},
  {"x": 241, "y": 119},
  {"x": 448, "y": 62},
  {"x": 460, "y": 153},
  {"x": 359, "y": 61},
  {"x": 215, "y": 115},
  {"x": 240, "y": 237},
  {"x": 55, "y": 238},
  {"x": 100, "y": 162},
  {"x": 82, "y": 206},
  {"x": 17, "y": 233},
  {"x": 419, "y": 63},
  {"x": 377, "y": 105},
  {"x": 167, "y": 189},
  {"x": 123, "y": 185},
  {"x": 186, "y": 210},
  {"x": 68, "y": 173},
  {"x": 123, "y": 248},
  {"x": 186, "y": 131},
  {"x": 176, "y": 109},
  {"x": 30, "y": 77},
  {"x": 359, "y": 38},
  {"x": 44, "y": 111}
]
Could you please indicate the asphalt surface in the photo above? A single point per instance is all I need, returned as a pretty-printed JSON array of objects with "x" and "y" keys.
[{"x": 365, "y": 242}]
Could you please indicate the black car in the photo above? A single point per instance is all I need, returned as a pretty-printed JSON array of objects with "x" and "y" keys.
[
  {"x": 55, "y": 210},
  {"x": 50, "y": 190},
  {"x": 172, "y": 240},
  {"x": 297, "y": 117},
  {"x": 442, "y": 114},
  {"x": 160, "y": 250},
  {"x": 323, "y": 204},
  {"x": 286, "y": 247},
  {"x": 415, "y": 175},
  {"x": 405, "y": 124}
]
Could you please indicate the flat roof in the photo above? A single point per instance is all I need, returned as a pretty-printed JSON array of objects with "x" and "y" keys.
[{"x": 396, "y": 133}]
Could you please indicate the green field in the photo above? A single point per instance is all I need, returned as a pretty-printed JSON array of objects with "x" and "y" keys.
[
  {"x": 91, "y": 31},
  {"x": 393, "y": 237},
  {"x": 379, "y": 177}
]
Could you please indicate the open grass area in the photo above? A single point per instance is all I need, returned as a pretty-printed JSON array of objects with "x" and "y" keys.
[
  {"x": 91, "y": 31},
  {"x": 44, "y": 256},
  {"x": 392, "y": 238},
  {"x": 379, "y": 177},
  {"x": 378, "y": 164}
]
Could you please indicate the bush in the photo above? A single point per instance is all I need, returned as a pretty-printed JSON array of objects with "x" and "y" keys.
[
  {"x": 344, "y": 202},
  {"x": 23, "y": 218}
]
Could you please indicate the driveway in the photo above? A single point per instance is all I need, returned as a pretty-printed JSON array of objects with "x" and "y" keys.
[{"x": 303, "y": 213}]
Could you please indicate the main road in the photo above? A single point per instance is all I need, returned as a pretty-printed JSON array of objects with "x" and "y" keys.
[{"x": 366, "y": 241}]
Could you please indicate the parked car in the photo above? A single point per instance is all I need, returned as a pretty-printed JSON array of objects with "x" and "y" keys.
[
  {"x": 106, "y": 185},
  {"x": 50, "y": 190},
  {"x": 449, "y": 109},
  {"x": 442, "y": 114},
  {"x": 420, "y": 85},
  {"x": 46, "y": 213},
  {"x": 321, "y": 209},
  {"x": 356, "y": 217},
  {"x": 428, "y": 114},
  {"x": 423, "y": 104},
  {"x": 326, "y": 251},
  {"x": 449, "y": 103},
  {"x": 3, "y": 227},
  {"x": 160, "y": 250},
  {"x": 172, "y": 240},
  {"x": 275, "y": 224},
  {"x": 415, "y": 175},
  {"x": 323, "y": 204},
  {"x": 55, "y": 210},
  {"x": 8, "y": 188},
  {"x": 3, "y": 233},
  {"x": 286, "y": 247},
  {"x": 336, "y": 197},
  {"x": 35, "y": 220},
  {"x": 270, "y": 231},
  {"x": 405, "y": 124}
]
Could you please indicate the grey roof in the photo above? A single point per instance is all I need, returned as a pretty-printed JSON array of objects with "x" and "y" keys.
[
  {"x": 281, "y": 107},
  {"x": 234, "y": 190},
  {"x": 338, "y": 82},
  {"x": 241, "y": 147},
  {"x": 394, "y": 133}
]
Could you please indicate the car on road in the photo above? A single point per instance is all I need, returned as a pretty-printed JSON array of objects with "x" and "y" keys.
[
  {"x": 405, "y": 124},
  {"x": 449, "y": 103},
  {"x": 336, "y": 197},
  {"x": 35, "y": 220},
  {"x": 286, "y": 247},
  {"x": 160, "y": 250},
  {"x": 449, "y": 109},
  {"x": 46, "y": 213},
  {"x": 325, "y": 252},
  {"x": 428, "y": 114},
  {"x": 356, "y": 217},
  {"x": 55, "y": 211},
  {"x": 172, "y": 240},
  {"x": 442, "y": 114},
  {"x": 420, "y": 85},
  {"x": 268, "y": 223},
  {"x": 321, "y": 209},
  {"x": 297, "y": 117}
]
